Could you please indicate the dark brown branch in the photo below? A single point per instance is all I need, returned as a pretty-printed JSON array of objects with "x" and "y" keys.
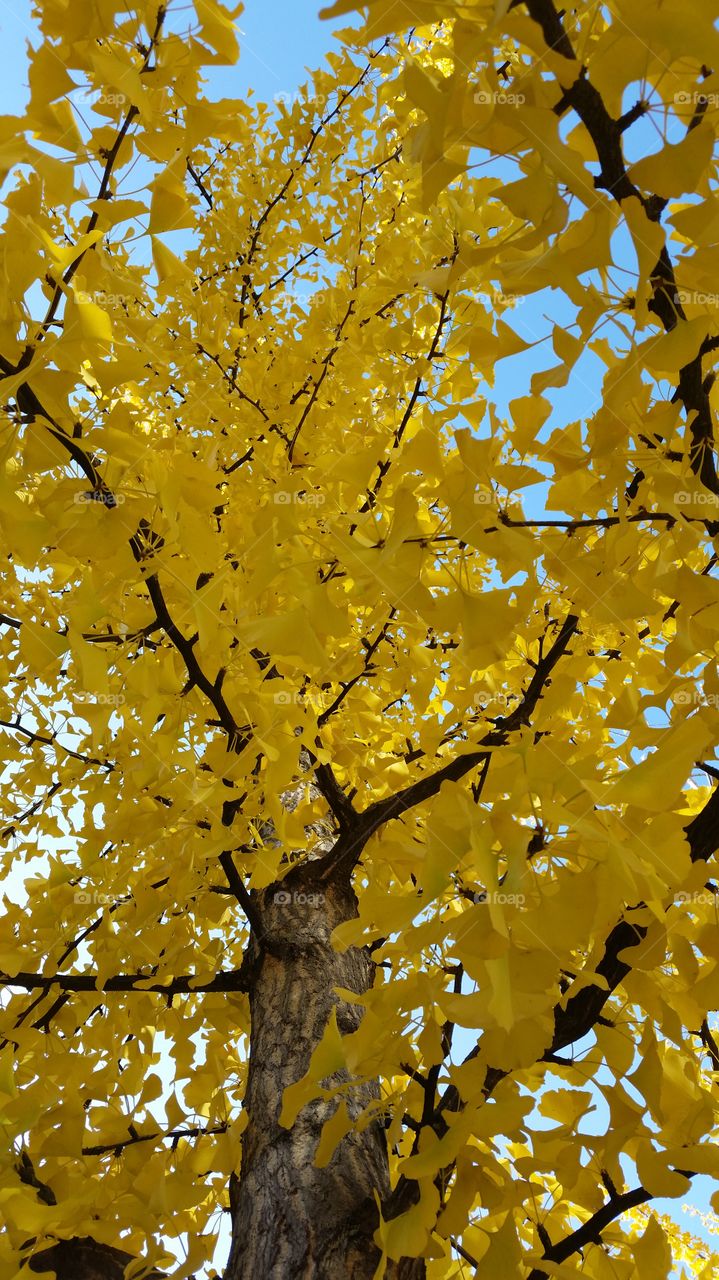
[
  {"x": 198, "y": 182},
  {"x": 174, "y": 1135},
  {"x": 458, "y": 1248},
  {"x": 369, "y": 651},
  {"x": 32, "y": 407},
  {"x": 33, "y": 737},
  {"x": 314, "y": 135},
  {"x": 384, "y": 464},
  {"x": 30, "y": 811},
  {"x": 582, "y": 1011},
  {"x": 349, "y": 848},
  {"x": 424, "y": 788},
  {"x": 326, "y": 366},
  {"x": 590, "y": 1231},
  {"x": 229, "y": 980},
  {"x": 238, "y": 737},
  {"x": 102, "y": 194},
  {"x": 231, "y": 380},
  {"x": 606, "y": 135},
  {"x": 237, "y": 885},
  {"x": 27, "y": 1175},
  {"x": 710, "y": 1044},
  {"x": 311, "y": 253},
  {"x": 340, "y": 804},
  {"x": 591, "y": 522}
]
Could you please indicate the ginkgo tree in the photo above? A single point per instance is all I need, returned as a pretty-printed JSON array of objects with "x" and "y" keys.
[{"x": 359, "y": 696}]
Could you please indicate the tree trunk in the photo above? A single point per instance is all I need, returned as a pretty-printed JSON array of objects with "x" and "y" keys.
[{"x": 292, "y": 1221}]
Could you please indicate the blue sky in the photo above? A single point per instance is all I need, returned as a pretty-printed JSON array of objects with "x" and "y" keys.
[{"x": 280, "y": 39}]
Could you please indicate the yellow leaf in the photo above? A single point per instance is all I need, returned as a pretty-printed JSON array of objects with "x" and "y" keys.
[
  {"x": 327, "y": 1059},
  {"x": 24, "y": 1212},
  {"x": 648, "y": 238},
  {"x": 407, "y": 1235},
  {"x": 656, "y": 782},
  {"x": 40, "y": 646},
  {"x": 672, "y": 351},
  {"x": 218, "y": 30},
  {"x": 436, "y": 1153},
  {"x": 170, "y": 208},
  {"x": 167, "y": 265},
  {"x": 678, "y": 167},
  {"x": 48, "y": 76},
  {"x": 93, "y": 321},
  {"x": 333, "y": 1131},
  {"x": 64, "y": 254},
  {"x": 503, "y": 1258},
  {"x": 656, "y": 1176}
]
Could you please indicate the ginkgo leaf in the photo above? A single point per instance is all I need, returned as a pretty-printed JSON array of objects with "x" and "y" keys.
[
  {"x": 168, "y": 266},
  {"x": 169, "y": 209},
  {"x": 664, "y": 771},
  {"x": 678, "y": 167},
  {"x": 217, "y": 29},
  {"x": 672, "y": 351},
  {"x": 40, "y": 646},
  {"x": 504, "y": 1253},
  {"x": 326, "y": 1060},
  {"x": 95, "y": 324},
  {"x": 406, "y": 1236},
  {"x": 333, "y": 1131}
]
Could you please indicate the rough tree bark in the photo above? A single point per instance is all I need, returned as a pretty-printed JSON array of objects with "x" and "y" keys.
[{"x": 292, "y": 1221}]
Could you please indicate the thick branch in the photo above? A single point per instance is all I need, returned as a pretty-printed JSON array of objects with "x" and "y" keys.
[
  {"x": 590, "y": 1231},
  {"x": 237, "y": 885},
  {"x": 349, "y": 848},
  {"x": 606, "y": 134},
  {"x": 82, "y": 1258}
]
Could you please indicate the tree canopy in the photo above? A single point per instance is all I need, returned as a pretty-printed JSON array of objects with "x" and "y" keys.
[{"x": 358, "y": 503}]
